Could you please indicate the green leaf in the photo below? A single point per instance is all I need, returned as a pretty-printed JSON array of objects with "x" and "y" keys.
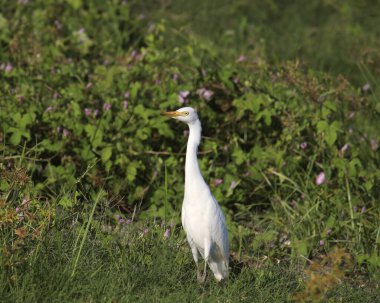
[
  {"x": 95, "y": 134},
  {"x": 27, "y": 119},
  {"x": 66, "y": 202},
  {"x": 301, "y": 247},
  {"x": 353, "y": 167},
  {"x": 330, "y": 136},
  {"x": 322, "y": 126},
  {"x": 106, "y": 153},
  {"x": 15, "y": 137},
  {"x": 135, "y": 89},
  {"x": 330, "y": 105},
  {"x": 330, "y": 131},
  {"x": 76, "y": 109},
  {"x": 132, "y": 171},
  {"x": 239, "y": 156},
  {"x": 76, "y": 4},
  {"x": 250, "y": 103},
  {"x": 16, "y": 117},
  {"x": 330, "y": 222}
]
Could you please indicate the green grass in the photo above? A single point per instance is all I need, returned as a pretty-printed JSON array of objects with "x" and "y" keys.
[
  {"x": 333, "y": 36},
  {"x": 130, "y": 265},
  {"x": 133, "y": 266},
  {"x": 83, "y": 148}
]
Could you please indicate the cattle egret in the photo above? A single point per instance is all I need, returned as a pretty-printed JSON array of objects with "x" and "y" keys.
[{"x": 202, "y": 218}]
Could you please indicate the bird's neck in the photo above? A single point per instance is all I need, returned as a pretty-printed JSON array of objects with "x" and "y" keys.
[{"x": 192, "y": 168}]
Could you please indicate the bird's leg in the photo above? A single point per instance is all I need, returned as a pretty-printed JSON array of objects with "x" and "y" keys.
[
  {"x": 195, "y": 253},
  {"x": 202, "y": 277},
  {"x": 206, "y": 257},
  {"x": 199, "y": 275}
]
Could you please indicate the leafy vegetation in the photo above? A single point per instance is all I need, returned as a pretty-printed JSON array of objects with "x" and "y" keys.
[{"x": 92, "y": 176}]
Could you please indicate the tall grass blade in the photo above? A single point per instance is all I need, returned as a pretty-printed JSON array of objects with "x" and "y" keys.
[{"x": 98, "y": 198}]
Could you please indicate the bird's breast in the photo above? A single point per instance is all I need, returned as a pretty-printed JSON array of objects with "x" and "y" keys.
[{"x": 197, "y": 214}]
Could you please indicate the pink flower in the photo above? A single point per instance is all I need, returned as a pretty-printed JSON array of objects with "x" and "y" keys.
[
  {"x": 49, "y": 109},
  {"x": 88, "y": 86},
  {"x": 233, "y": 184},
  {"x": 107, "y": 106},
  {"x": 366, "y": 87},
  {"x": 66, "y": 133},
  {"x": 18, "y": 209},
  {"x": 320, "y": 179},
  {"x": 125, "y": 104},
  {"x": 8, "y": 67},
  {"x": 175, "y": 77},
  {"x": 208, "y": 95},
  {"x": 374, "y": 144},
  {"x": 321, "y": 243},
  {"x": 87, "y": 112},
  {"x": 136, "y": 55},
  {"x": 303, "y": 145},
  {"x": 242, "y": 58},
  {"x": 57, "y": 24},
  {"x": 96, "y": 113},
  {"x": 217, "y": 182},
  {"x": 121, "y": 221},
  {"x": 126, "y": 95},
  {"x": 205, "y": 93},
  {"x": 182, "y": 96},
  {"x": 167, "y": 233},
  {"x": 236, "y": 80},
  {"x": 344, "y": 147}
]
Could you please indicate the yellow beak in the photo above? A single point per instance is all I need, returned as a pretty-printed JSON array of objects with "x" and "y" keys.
[{"x": 172, "y": 114}]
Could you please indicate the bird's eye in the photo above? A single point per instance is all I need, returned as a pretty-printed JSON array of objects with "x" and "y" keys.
[{"x": 186, "y": 113}]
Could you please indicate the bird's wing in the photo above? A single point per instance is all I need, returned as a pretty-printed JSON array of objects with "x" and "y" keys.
[{"x": 219, "y": 230}]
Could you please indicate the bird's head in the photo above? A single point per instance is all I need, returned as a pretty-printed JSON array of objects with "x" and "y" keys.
[{"x": 184, "y": 114}]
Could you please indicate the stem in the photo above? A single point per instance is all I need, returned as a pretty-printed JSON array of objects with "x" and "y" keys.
[
  {"x": 350, "y": 202},
  {"x": 99, "y": 196},
  {"x": 166, "y": 192}
]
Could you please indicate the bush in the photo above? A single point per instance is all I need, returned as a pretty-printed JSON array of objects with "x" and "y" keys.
[{"x": 83, "y": 86}]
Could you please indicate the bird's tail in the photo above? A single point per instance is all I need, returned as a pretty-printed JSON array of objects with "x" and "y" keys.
[{"x": 219, "y": 268}]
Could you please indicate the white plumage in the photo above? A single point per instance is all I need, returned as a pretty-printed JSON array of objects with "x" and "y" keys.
[{"x": 202, "y": 218}]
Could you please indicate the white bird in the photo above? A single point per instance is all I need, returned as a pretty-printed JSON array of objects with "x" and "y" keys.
[{"x": 202, "y": 218}]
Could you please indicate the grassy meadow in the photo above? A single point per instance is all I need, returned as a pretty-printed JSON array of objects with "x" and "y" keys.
[{"x": 92, "y": 177}]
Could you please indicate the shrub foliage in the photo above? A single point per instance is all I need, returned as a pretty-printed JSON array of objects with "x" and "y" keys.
[{"x": 290, "y": 154}]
